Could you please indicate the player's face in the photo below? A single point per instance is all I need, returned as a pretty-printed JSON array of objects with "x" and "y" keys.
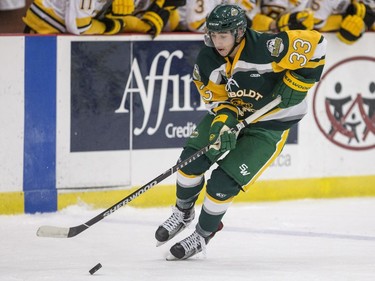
[{"x": 223, "y": 42}]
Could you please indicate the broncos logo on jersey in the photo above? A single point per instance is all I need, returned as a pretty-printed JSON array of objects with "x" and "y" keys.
[
  {"x": 242, "y": 106},
  {"x": 275, "y": 46}
]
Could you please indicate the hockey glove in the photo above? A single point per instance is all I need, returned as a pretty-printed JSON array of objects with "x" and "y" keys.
[
  {"x": 221, "y": 137},
  {"x": 357, "y": 18},
  {"x": 156, "y": 17},
  {"x": 122, "y": 7},
  {"x": 363, "y": 11},
  {"x": 351, "y": 29},
  {"x": 299, "y": 20},
  {"x": 292, "y": 89}
]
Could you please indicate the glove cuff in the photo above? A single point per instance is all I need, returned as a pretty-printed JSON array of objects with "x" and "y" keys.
[
  {"x": 226, "y": 108},
  {"x": 227, "y": 117},
  {"x": 347, "y": 37},
  {"x": 297, "y": 82},
  {"x": 220, "y": 118}
]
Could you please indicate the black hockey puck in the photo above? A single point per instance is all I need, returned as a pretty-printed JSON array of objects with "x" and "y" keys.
[{"x": 95, "y": 268}]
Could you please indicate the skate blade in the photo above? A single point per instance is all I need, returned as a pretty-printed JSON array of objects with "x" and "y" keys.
[
  {"x": 158, "y": 243},
  {"x": 197, "y": 256},
  {"x": 171, "y": 257}
]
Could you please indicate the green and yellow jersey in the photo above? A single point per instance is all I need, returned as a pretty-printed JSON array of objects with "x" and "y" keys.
[{"x": 247, "y": 83}]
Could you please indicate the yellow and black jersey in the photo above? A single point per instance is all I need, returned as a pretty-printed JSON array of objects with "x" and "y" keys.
[{"x": 73, "y": 16}]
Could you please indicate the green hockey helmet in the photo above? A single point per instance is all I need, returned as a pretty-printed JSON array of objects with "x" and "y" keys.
[{"x": 225, "y": 17}]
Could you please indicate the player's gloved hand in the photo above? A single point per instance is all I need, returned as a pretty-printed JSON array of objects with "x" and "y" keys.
[
  {"x": 122, "y": 7},
  {"x": 351, "y": 29},
  {"x": 298, "y": 20},
  {"x": 112, "y": 25},
  {"x": 221, "y": 137},
  {"x": 156, "y": 17},
  {"x": 362, "y": 10},
  {"x": 292, "y": 89},
  {"x": 358, "y": 17}
]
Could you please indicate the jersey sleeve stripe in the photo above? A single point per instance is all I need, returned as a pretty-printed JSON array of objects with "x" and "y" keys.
[{"x": 320, "y": 50}]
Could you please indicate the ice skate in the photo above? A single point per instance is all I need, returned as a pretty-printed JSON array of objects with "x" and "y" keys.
[
  {"x": 177, "y": 222},
  {"x": 190, "y": 246}
]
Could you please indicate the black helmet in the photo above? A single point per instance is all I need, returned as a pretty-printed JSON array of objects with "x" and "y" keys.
[{"x": 225, "y": 17}]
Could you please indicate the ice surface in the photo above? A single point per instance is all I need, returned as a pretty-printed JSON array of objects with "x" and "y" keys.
[{"x": 292, "y": 240}]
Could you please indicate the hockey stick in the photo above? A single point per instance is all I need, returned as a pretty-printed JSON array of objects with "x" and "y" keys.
[{"x": 67, "y": 232}]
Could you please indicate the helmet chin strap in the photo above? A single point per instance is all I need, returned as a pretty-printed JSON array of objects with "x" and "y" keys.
[
  {"x": 231, "y": 50},
  {"x": 234, "y": 46}
]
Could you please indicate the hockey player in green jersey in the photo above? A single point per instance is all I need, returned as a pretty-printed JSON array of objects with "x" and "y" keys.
[{"x": 237, "y": 73}]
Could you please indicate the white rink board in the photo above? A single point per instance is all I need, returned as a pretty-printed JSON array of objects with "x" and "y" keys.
[
  {"x": 313, "y": 157},
  {"x": 11, "y": 112}
]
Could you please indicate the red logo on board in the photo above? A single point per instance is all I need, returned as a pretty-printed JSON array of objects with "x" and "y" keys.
[{"x": 344, "y": 103}]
